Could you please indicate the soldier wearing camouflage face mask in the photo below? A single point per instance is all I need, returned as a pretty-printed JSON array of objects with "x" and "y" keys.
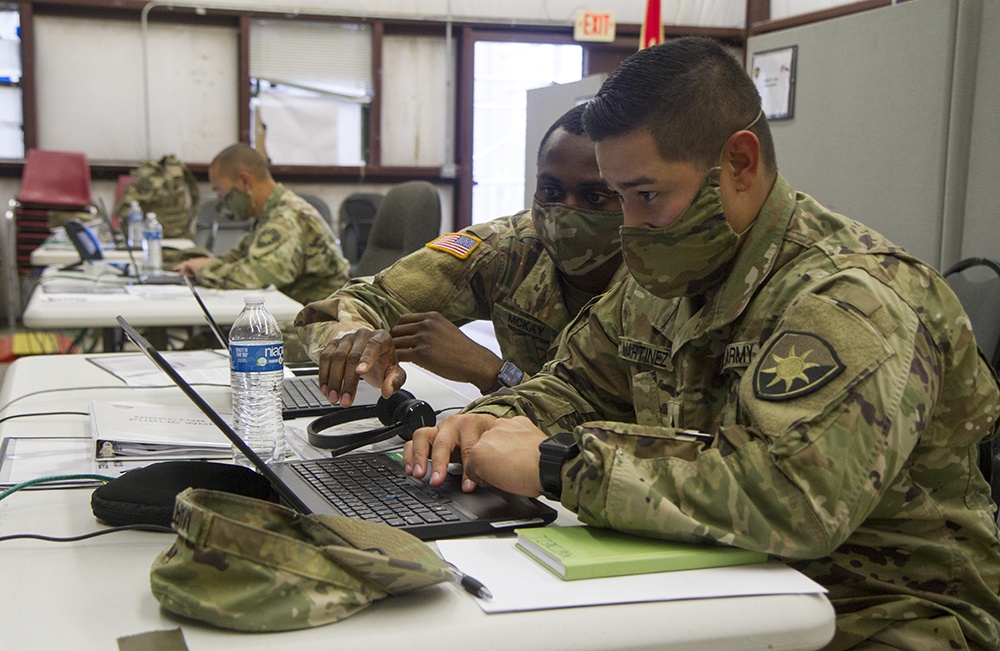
[
  {"x": 529, "y": 274},
  {"x": 774, "y": 376},
  {"x": 289, "y": 246}
]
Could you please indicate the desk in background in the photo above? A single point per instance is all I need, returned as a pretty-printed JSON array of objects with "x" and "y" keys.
[
  {"x": 53, "y": 252},
  {"x": 87, "y": 594},
  {"x": 144, "y": 306}
]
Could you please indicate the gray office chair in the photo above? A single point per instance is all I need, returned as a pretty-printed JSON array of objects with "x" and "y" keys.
[
  {"x": 357, "y": 214},
  {"x": 976, "y": 282},
  {"x": 216, "y": 231},
  {"x": 321, "y": 207},
  {"x": 408, "y": 217}
]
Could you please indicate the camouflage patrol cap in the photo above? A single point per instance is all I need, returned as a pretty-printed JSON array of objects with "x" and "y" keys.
[{"x": 252, "y": 565}]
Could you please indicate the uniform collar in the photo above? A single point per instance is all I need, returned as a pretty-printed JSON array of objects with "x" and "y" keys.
[
  {"x": 277, "y": 194},
  {"x": 751, "y": 268}
]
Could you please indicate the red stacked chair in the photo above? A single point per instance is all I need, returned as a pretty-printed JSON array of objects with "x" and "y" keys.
[{"x": 52, "y": 180}]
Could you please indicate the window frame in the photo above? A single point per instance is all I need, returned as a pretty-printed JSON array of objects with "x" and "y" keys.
[{"x": 598, "y": 57}]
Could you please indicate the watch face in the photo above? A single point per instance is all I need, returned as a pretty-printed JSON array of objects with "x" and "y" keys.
[{"x": 510, "y": 375}]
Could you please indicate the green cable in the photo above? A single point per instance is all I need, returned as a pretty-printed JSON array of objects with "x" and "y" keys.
[{"x": 42, "y": 480}]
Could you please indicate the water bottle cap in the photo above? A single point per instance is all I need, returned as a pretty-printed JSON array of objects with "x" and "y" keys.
[{"x": 253, "y": 299}]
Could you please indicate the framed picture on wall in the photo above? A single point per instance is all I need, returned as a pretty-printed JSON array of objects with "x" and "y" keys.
[{"x": 773, "y": 72}]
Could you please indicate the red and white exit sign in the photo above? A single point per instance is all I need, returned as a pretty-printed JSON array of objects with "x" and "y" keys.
[{"x": 594, "y": 26}]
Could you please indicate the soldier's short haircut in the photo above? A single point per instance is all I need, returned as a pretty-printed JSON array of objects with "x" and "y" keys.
[
  {"x": 241, "y": 158},
  {"x": 571, "y": 121},
  {"x": 689, "y": 93}
]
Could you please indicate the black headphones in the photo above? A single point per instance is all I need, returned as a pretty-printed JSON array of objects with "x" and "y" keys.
[{"x": 401, "y": 413}]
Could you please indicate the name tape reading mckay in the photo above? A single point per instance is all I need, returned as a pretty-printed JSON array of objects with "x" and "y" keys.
[{"x": 522, "y": 324}]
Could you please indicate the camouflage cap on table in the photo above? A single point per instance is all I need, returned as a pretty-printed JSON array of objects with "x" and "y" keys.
[{"x": 251, "y": 565}]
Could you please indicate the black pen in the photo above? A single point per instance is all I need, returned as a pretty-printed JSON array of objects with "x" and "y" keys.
[{"x": 469, "y": 584}]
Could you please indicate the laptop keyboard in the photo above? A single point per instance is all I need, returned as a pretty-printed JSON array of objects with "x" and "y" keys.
[
  {"x": 365, "y": 488},
  {"x": 301, "y": 397}
]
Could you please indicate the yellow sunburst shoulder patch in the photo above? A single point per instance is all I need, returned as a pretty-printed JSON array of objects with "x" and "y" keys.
[{"x": 794, "y": 365}]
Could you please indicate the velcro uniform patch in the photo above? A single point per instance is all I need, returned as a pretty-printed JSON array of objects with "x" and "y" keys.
[{"x": 460, "y": 245}]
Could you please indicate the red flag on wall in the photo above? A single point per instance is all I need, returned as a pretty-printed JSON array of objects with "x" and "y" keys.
[{"x": 652, "y": 25}]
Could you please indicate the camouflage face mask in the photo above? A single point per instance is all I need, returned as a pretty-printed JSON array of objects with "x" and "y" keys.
[
  {"x": 238, "y": 203},
  {"x": 579, "y": 241},
  {"x": 691, "y": 254}
]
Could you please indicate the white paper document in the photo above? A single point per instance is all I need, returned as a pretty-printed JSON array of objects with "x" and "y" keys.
[
  {"x": 24, "y": 459},
  {"x": 518, "y": 583},
  {"x": 195, "y": 366}
]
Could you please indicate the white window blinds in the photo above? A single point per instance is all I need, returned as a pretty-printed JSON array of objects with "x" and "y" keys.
[{"x": 326, "y": 57}]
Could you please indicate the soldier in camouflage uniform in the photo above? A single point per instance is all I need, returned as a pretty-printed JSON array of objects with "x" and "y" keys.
[
  {"x": 290, "y": 245},
  {"x": 774, "y": 376},
  {"x": 529, "y": 274}
]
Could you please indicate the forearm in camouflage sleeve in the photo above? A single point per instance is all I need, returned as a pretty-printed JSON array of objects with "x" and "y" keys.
[
  {"x": 273, "y": 257},
  {"x": 796, "y": 481},
  {"x": 584, "y": 381},
  {"x": 360, "y": 304}
]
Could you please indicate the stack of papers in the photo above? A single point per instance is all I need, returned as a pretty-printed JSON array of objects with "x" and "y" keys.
[{"x": 518, "y": 583}]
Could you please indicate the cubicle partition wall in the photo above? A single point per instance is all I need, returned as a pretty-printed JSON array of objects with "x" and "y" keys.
[{"x": 884, "y": 102}]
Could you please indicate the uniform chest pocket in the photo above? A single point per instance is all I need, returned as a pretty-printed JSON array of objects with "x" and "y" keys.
[{"x": 655, "y": 399}]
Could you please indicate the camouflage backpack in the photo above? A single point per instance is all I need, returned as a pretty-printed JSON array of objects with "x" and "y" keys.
[{"x": 168, "y": 188}]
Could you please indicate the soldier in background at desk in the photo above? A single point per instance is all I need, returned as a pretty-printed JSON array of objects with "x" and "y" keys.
[
  {"x": 289, "y": 245},
  {"x": 529, "y": 274},
  {"x": 845, "y": 442}
]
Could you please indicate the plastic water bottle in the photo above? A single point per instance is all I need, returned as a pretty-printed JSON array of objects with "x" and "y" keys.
[
  {"x": 133, "y": 235},
  {"x": 256, "y": 368},
  {"x": 152, "y": 245}
]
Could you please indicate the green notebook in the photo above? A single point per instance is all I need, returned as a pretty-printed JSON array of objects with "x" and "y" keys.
[{"x": 589, "y": 552}]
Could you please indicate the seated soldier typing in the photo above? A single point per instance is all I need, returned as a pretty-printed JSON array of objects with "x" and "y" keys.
[
  {"x": 773, "y": 376},
  {"x": 529, "y": 274}
]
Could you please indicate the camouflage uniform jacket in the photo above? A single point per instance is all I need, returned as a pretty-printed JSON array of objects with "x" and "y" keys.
[
  {"x": 508, "y": 278},
  {"x": 290, "y": 246},
  {"x": 841, "y": 387}
]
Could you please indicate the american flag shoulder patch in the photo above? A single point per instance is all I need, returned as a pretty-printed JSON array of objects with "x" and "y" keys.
[{"x": 460, "y": 245}]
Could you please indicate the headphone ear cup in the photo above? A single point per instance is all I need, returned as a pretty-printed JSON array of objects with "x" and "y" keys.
[
  {"x": 403, "y": 409},
  {"x": 386, "y": 408},
  {"x": 414, "y": 414}
]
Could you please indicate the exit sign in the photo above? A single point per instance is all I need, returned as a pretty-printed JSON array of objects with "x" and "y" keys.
[{"x": 594, "y": 26}]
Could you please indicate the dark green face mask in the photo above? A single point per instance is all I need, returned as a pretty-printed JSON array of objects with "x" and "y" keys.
[
  {"x": 690, "y": 255},
  {"x": 579, "y": 241},
  {"x": 238, "y": 203}
]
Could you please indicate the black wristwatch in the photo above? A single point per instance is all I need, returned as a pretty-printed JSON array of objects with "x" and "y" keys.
[
  {"x": 509, "y": 376},
  {"x": 555, "y": 451}
]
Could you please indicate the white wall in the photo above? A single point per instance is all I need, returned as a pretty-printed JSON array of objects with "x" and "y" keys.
[
  {"x": 716, "y": 13},
  {"x": 896, "y": 122}
]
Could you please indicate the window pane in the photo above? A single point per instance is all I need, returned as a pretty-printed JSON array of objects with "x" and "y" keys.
[
  {"x": 312, "y": 81},
  {"x": 11, "y": 116},
  {"x": 503, "y": 72}
]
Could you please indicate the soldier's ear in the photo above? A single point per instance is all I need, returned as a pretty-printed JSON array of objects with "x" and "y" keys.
[{"x": 244, "y": 180}]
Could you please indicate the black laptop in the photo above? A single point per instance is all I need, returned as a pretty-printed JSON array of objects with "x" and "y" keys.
[
  {"x": 372, "y": 486},
  {"x": 84, "y": 241},
  {"x": 300, "y": 396}
]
